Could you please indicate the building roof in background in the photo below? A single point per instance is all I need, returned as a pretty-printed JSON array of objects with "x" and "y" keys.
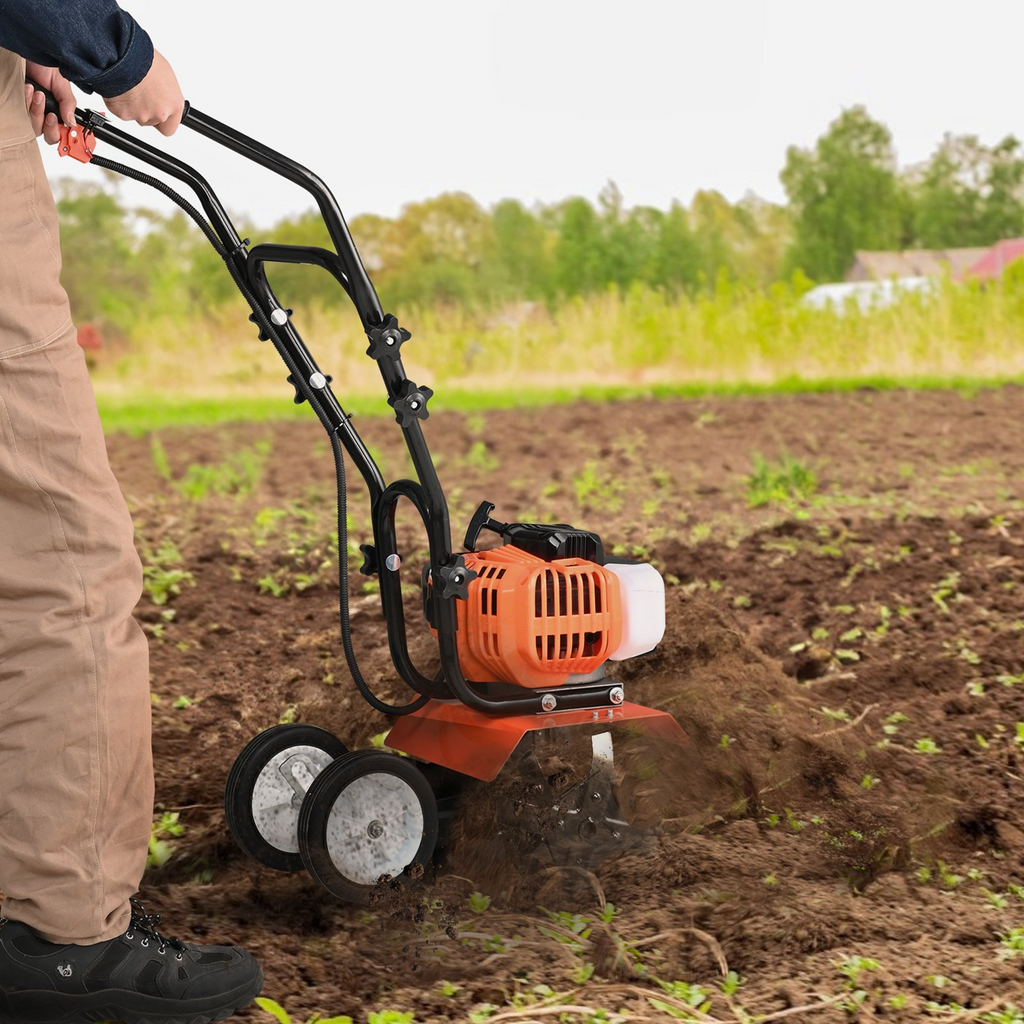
[
  {"x": 881, "y": 266},
  {"x": 995, "y": 260}
]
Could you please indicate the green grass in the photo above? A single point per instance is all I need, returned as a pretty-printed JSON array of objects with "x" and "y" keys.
[
  {"x": 140, "y": 414},
  {"x": 638, "y": 342}
]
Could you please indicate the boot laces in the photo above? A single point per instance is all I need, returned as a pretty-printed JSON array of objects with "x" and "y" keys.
[{"x": 148, "y": 924}]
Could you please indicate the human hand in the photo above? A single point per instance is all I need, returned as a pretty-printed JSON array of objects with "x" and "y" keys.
[
  {"x": 48, "y": 125},
  {"x": 157, "y": 100}
]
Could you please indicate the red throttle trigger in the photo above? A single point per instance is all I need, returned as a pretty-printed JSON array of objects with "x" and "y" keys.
[{"x": 76, "y": 142}]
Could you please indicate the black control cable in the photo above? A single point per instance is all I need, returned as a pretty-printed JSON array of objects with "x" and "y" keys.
[{"x": 267, "y": 328}]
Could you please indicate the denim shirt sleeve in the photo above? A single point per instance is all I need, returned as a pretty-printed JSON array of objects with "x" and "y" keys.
[{"x": 94, "y": 43}]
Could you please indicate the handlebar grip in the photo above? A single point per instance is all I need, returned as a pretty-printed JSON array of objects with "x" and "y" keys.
[{"x": 52, "y": 107}]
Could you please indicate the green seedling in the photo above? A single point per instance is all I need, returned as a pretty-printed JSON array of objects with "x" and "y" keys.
[
  {"x": 995, "y": 899},
  {"x": 947, "y": 588},
  {"x": 478, "y": 903},
  {"x": 786, "y": 482},
  {"x": 1012, "y": 943},
  {"x": 593, "y": 488},
  {"x": 926, "y": 745},
  {"x": 892, "y": 724},
  {"x": 1009, "y": 1014},
  {"x": 162, "y": 577},
  {"x": 160, "y": 849},
  {"x": 692, "y": 997}
]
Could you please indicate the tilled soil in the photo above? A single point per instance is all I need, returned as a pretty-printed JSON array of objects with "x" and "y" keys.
[{"x": 848, "y": 667}]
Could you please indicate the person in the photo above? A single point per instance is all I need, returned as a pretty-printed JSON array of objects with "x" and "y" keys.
[{"x": 76, "y": 772}]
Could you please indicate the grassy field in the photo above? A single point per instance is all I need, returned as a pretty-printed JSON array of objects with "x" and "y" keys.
[{"x": 615, "y": 345}]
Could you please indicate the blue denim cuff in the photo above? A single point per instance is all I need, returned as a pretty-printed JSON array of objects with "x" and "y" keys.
[{"x": 131, "y": 69}]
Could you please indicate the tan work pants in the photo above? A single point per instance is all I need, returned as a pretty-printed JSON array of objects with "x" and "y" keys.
[{"x": 76, "y": 774}]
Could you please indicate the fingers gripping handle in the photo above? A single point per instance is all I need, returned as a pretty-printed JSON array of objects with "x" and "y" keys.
[
  {"x": 75, "y": 141},
  {"x": 52, "y": 106}
]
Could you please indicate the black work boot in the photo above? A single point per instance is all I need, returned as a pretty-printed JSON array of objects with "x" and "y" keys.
[{"x": 140, "y": 977}]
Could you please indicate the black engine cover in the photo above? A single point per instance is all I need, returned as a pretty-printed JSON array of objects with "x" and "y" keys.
[{"x": 558, "y": 540}]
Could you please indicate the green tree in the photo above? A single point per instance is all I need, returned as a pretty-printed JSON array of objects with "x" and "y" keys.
[
  {"x": 969, "y": 193},
  {"x": 677, "y": 257},
  {"x": 103, "y": 280},
  {"x": 579, "y": 257},
  {"x": 845, "y": 196},
  {"x": 521, "y": 252}
]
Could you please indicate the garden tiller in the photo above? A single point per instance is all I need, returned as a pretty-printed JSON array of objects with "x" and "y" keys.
[{"x": 525, "y": 631}]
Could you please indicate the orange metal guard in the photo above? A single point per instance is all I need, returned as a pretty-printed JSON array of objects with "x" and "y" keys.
[{"x": 454, "y": 736}]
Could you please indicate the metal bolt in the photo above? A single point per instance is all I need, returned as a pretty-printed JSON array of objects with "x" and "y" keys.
[
  {"x": 414, "y": 404},
  {"x": 549, "y": 702},
  {"x": 279, "y": 317},
  {"x": 595, "y": 796},
  {"x": 457, "y": 577},
  {"x": 318, "y": 381},
  {"x": 375, "y": 830},
  {"x": 616, "y": 695},
  {"x": 74, "y": 135},
  {"x": 596, "y": 715},
  {"x": 393, "y": 562},
  {"x": 389, "y": 338}
]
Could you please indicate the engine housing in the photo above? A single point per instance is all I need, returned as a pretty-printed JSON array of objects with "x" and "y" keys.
[{"x": 537, "y": 622}]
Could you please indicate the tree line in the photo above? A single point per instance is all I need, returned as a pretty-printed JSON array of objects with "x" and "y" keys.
[{"x": 845, "y": 193}]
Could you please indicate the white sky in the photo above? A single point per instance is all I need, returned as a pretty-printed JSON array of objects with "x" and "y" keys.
[{"x": 397, "y": 100}]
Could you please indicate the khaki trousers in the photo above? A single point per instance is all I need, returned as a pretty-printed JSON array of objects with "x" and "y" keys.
[{"x": 76, "y": 773}]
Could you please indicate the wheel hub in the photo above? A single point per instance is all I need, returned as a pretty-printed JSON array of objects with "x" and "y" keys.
[
  {"x": 278, "y": 792},
  {"x": 374, "y": 828}
]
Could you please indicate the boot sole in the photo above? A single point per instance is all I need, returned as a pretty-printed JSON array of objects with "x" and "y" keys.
[{"x": 48, "y": 1007}]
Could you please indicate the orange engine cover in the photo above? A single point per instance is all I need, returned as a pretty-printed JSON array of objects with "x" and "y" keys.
[{"x": 535, "y": 623}]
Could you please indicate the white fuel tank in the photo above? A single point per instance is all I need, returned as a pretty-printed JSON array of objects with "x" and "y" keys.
[{"x": 643, "y": 608}]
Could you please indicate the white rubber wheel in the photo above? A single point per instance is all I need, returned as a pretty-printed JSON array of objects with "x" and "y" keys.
[
  {"x": 369, "y": 816},
  {"x": 263, "y": 793}
]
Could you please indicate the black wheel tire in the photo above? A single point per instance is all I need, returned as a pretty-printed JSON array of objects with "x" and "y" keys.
[
  {"x": 406, "y": 797},
  {"x": 244, "y": 776}
]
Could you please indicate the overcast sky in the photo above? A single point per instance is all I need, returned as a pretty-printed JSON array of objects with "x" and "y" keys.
[{"x": 397, "y": 100}]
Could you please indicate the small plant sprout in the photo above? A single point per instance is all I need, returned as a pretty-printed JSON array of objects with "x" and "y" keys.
[
  {"x": 448, "y": 989},
  {"x": 279, "y": 1013},
  {"x": 836, "y": 714},
  {"x": 995, "y": 899},
  {"x": 1012, "y": 943},
  {"x": 693, "y": 997},
  {"x": 731, "y": 984},
  {"x": 160, "y": 850},
  {"x": 786, "y": 482},
  {"x": 478, "y": 902},
  {"x": 852, "y": 967},
  {"x": 948, "y": 877},
  {"x": 892, "y": 724},
  {"x": 869, "y": 781},
  {"x": 926, "y": 745},
  {"x": 976, "y": 688},
  {"x": 582, "y": 974}
]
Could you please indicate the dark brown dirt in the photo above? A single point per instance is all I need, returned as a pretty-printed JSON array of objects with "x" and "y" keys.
[{"x": 816, "y": 652}]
